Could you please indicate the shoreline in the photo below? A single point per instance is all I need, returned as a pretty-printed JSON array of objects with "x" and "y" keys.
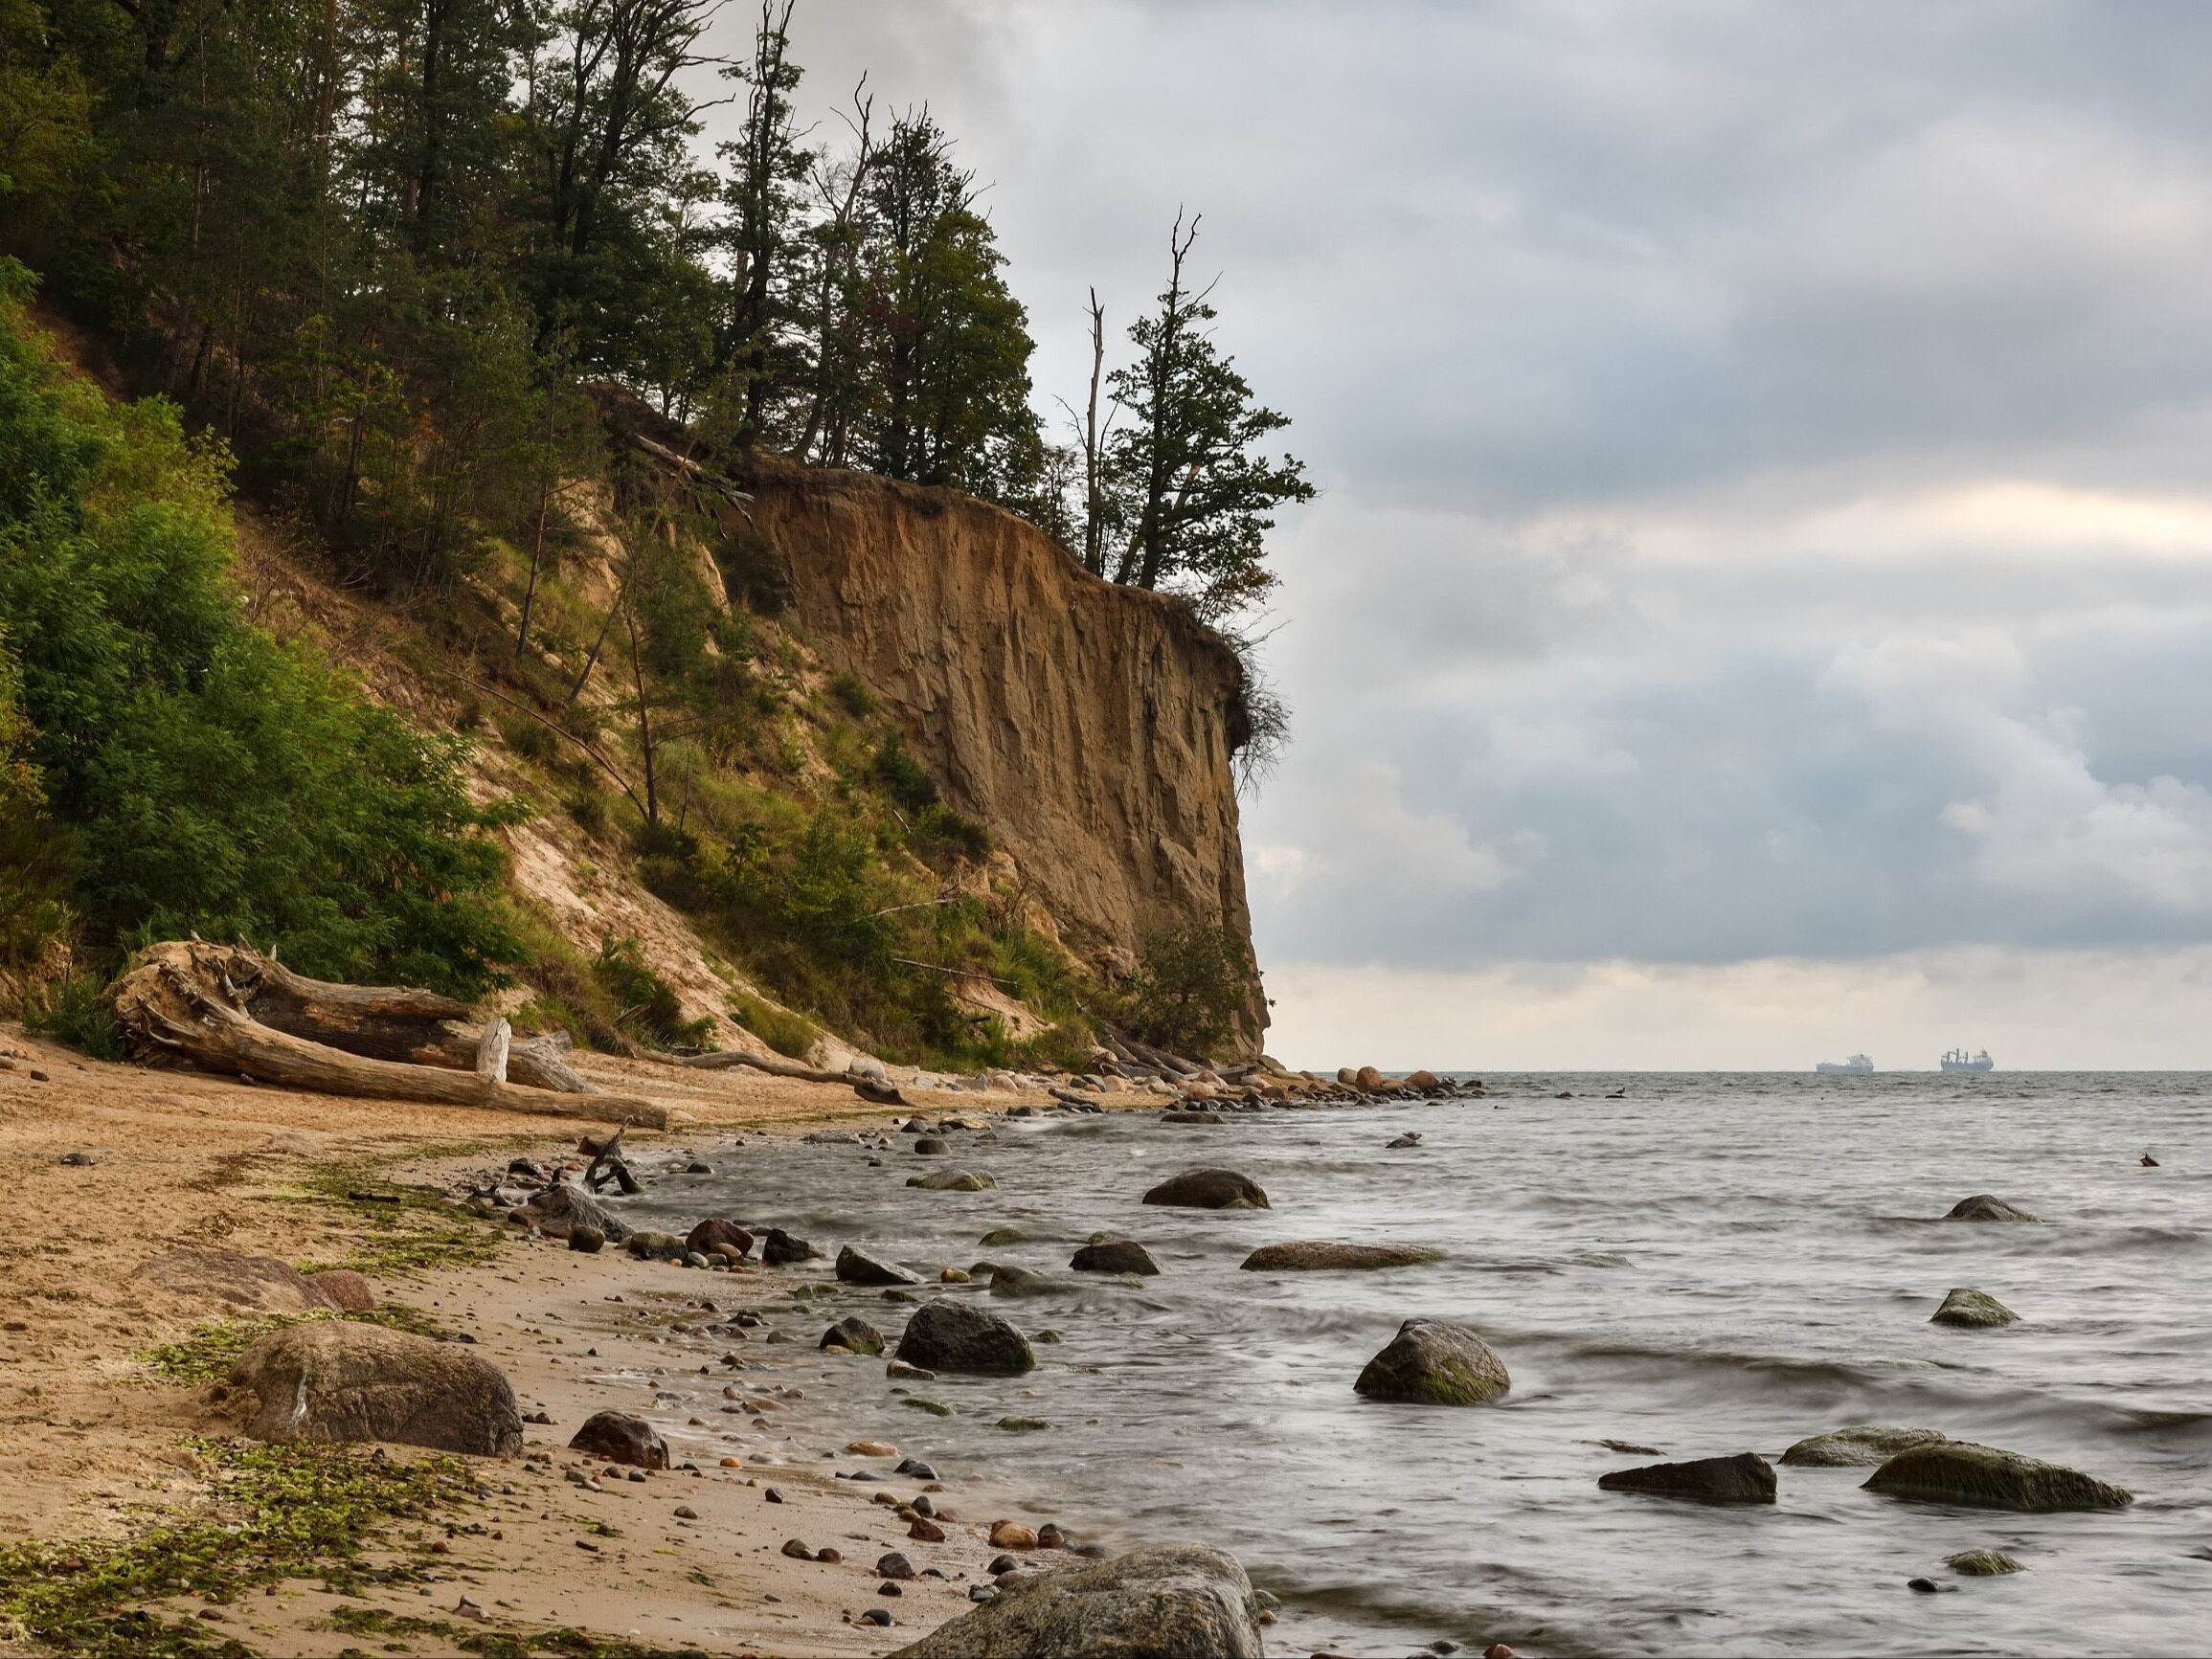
[{"x": 99, "y": 1449}]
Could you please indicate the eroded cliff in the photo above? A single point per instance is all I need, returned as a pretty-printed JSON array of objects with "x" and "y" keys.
[{"x": 1089, "y": 728}]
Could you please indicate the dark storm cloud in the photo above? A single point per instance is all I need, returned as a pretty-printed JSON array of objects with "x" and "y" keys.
[{"x": 1764, "y": 445}]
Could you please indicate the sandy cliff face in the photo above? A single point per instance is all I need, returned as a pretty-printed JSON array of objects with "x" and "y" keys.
[{"x": 1089, "y": 726}]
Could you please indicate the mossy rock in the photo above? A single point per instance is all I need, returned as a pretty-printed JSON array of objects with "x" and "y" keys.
[
  {"x": 1434, "y": 1362},
  {"x": 954, "y": 1182},
  {"x": 936, "y": 1408},
  {"x": 1973, "y": 1311},
  {"x": 1004, "y": 1236},
  {"x": 1022, "y": 1424},
  {"x": 1321, "y": 1256},
  {"x": 1958, "y": 1471},
  {"x": 1981, "y": 1564},
  {"x": 1857, "y": 1447}
]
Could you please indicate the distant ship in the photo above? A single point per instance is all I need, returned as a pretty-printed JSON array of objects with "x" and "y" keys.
[
  {"x": 1857, "y": 1062},
  {"x": 1958, "y": 1060}
]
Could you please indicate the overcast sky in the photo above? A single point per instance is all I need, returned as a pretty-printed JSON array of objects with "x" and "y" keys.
[{"x": 1760, "y": 600}]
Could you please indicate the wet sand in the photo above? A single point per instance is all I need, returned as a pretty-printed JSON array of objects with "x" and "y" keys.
[{"x": 95, "y": 1444}]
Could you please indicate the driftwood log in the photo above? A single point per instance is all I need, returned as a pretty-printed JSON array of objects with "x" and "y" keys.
[
  {"x": 724, "y": 1059},
  {"x": 375, "y": 1022},
  {"x": 184, "y": 1003}
]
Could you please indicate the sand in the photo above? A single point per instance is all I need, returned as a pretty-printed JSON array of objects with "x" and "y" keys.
[{"x": 93, "y": 1443}]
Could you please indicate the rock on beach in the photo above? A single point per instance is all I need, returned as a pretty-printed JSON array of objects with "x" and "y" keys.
[
  {"x": 1320, "y": 1256},
  {"x": 1860, "y": 1447},
  {"x": 948, "y": 1336},
  {"x": 1114, "y": 1256},
  {"x": 622, "y": 1437},
  {"x": 717, "y": 1234},
  {"x": 1745, "y": 1478},
  {"x": 1175, "y": 1601},
  {"x": 1958, "y": 1471},
  {"x": 1209, "y": 1190},
  {"x": 336, "y": 1380},
  {"x": 858, "y": 1268},
  {"x": 256, "y": 1282},
  {"x": 1434, "y": 1362},
  {"x": 780, "y": 1249}
]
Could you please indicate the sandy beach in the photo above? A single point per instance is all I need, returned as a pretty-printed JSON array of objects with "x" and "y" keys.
[{"x": 98, "y": 1437}]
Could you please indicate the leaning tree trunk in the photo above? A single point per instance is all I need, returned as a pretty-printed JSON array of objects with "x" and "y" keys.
[{"x": 182, "y": 1003}]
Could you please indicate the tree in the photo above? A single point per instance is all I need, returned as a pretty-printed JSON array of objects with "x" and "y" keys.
[
  {"x": 950, "y": 343},
  {"x": 1199, "y": 496},
  {"x": 760, "y": 230}
]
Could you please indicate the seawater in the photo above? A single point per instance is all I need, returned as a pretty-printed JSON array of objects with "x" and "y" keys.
[{"x": 1706, "y": 1264}]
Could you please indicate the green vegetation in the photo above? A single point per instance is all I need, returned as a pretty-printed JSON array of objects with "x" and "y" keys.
[
  {"x": 783, "y": 1031},
  {"x": 1190, "y": 983},
  {"x": 209, "y": 1352},
  {"x": 285, "y": 1511},
  {"x": 419, "y": 1232},
  {"x": 197, "y": 775},
  {"x": 647, "y": 1006}
]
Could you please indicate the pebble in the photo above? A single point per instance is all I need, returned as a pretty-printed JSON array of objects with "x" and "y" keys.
[
  {"x": 1012, "y": 1535},
  {"x": 685, "y": 1512},
  {"x": 927, "y": 1530},
  {"x": 638, "y": 1475},
  {"x": 38, "y": 1076},
  {"x": 888, "y": 1589},
  {"x": 1002, "y": 1564},
  {"x": 1051, "y": 1537},
  {"x": 872, "y": 1448},
  {"x": 769, "y": 1493},
  {"x": 830, "y": 1554},
  {"x": 922, "y": 1506},
  {"x": 894, "y": 1566},
  {"x": 914, "y": 1466},
  {"x": 83, "y": 1158},
  {"x": 1497, "y": 1650},
  {"x": 1925, "y": 1587},
  {"x": 875, "y": 1616},
  {"x": 982, "y": 1593},
  {"x": 795, "y": 1549}
]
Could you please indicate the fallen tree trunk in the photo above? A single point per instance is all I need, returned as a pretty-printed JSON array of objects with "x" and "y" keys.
[
  {"x": 167, "y": 1013},
  {"x": 375, "y": 1022},
  {"x": 722, "y": 1060}
]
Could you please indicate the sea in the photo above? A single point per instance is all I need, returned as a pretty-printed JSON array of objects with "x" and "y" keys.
[{"x": 1698, "y": 1264}]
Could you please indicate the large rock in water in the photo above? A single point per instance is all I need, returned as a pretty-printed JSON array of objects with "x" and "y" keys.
[
  {"x": 1857, "y": 1447},
  {"x": 954, "y": 1182},
  {"x": 1319, "y": 1256},
  {"x": 1176, "y": 1602},
  {"x": 1987, "y": 1207},
  {"x": 947, "y": 1335},
  {"x": 336, "y": 1380},
  {"x": 858, "y": 1268},
  {"x": 622, "y": 1437},
  {"x": 780, "y": 1249},
  {"x": 258, "y": 1282},
  {"x": 1209, "y": 1190},
  {"x": 1958, "y": 1471},
  {"x": 1745, "y": 1478},
  {"x": 1434, "y": 1362},
  {"x": 562, "y": 1208},
  {"x": 1114, "y": 1256},
  {"x": 1973, "y": 1309}
]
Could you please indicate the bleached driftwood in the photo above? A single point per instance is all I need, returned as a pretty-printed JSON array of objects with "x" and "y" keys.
[
  {"x": 723, "y": 1059},
  {"x": 182, "y": 1004}
]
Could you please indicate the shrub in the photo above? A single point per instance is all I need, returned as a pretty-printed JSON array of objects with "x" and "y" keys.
[
  {"x": 1191, "y": 982},
  {"x": 779, "y": 1028},
  {"x": 852, "y": 696},
  {"x": 902, "y": 777},
  {"x": 72, "y": 1010},
  {"x": 207, "y": 779},
  {"x": 647, "y": 1005}
]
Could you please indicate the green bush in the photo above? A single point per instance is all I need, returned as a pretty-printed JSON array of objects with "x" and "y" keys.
[
  {"x": 902, "y": 777},
  {"x": 207, "y": 779},
  {"x": 1191, "y": 982},
  {"x": 647, "y": 1007},
  {"x": 780, "y": 1029},
  {"x": 852, "y": 696},
  {"x": 72, "y": 1011}
]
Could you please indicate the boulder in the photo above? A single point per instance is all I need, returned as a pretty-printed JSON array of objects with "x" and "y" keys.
[
  {"x": 1174, "y": 1602},
  {"x": 1346, "y": 1076},
  {"x": 656, "y": 1246},
  {"x": 1434, "y": 1362},
  {"x": 1319, "y": 1256},
  {"x": 1745, "y": 1478},
  {"x": 1114, "y": 1256},
  {"x": 855, "y": 1332},
  {"x": 1368, "y": 1080},
  {"x": 623, "y": 1437},
  {"x": 559, "y": 1208},
  {"x": 953, "y": 1181},
  {"x": 1958, "y": 1471},
  {"x": 780, "y": 1249},
  {"x": 346, "y": 1288},
  {"x": 1973, "y": 1309},
  {"x": 1857, "y": 1447},
  {"x": 1981, "y": 1564},
  {"x": 1423, "y": 1080},
  {"x": 1004, "y": 1236},
  {"x": 1021, "y": 1282},
  {"x": 858, "y": 1268},
  {"x": 716, "y": 1234},
  {"x": 947, "y": 1335},
  {"x": 261, "y": 1283},
  {"x": 1209, "y": 1190},
  {"x": 336, "y": 1380},
  {"x": 929, "y": 1146},
  {"x": 589, "y": 1240},
  {"x": 1985, "y": 1207},
  {"x": 1191, "y": 1117}
]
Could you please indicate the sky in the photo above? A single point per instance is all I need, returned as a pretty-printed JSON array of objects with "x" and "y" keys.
[{"x": 1759, "y": 605}]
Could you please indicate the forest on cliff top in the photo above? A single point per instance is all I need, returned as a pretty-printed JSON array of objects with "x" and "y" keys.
[{"x": 377, "y": 267}]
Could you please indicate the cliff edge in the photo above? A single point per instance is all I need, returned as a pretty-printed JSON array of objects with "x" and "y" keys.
[{"x": 1091, "y": 728}]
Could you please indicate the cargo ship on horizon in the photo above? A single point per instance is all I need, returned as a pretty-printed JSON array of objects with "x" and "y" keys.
[{"x": 1958, "y": 1060}]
